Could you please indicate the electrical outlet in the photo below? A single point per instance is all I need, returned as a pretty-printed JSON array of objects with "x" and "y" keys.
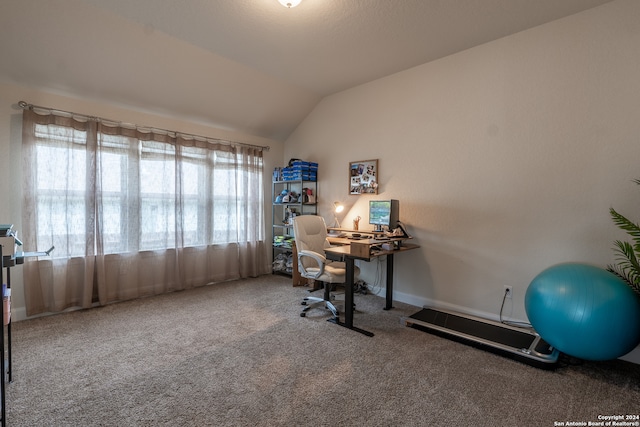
[{"x": 508, "y": 292}]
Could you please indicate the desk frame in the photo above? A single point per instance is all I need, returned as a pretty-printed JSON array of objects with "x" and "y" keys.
[{"x": 350, "y": 270}]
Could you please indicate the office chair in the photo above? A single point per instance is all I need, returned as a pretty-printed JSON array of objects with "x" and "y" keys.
[{"x": 310, "y": 233}]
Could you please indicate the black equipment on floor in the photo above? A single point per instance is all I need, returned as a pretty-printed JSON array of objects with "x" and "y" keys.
[{"x": 524, "y": 345}]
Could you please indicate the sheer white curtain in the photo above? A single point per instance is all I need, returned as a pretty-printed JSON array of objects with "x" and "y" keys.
[{"x": 134, "y": 213}]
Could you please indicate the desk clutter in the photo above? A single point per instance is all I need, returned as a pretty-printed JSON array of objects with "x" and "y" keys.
[
  {"x": 365, "y": 244},
  {"x": 368, "y": 247}
]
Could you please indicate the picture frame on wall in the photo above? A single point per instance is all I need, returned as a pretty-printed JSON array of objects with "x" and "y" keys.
[{"x": 363, "y": 177}]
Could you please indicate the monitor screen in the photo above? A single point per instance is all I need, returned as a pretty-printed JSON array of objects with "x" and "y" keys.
[{"x": 383, "y": 213}]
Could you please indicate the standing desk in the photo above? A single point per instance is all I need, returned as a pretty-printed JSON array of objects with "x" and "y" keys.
[{"x": 371, "y": 252}]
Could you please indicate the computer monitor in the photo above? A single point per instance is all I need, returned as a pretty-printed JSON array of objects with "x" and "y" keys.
[{"x": 384, "y": 213}]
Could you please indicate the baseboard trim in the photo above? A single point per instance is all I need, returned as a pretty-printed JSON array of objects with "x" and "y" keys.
[{"x": 424, "y": 302}]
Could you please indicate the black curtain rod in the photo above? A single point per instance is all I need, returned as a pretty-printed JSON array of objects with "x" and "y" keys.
[{"x": 27, "y": 106}]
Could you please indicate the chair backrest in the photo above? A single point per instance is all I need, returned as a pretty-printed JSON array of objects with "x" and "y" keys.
[{"x": 310, "y": 233}]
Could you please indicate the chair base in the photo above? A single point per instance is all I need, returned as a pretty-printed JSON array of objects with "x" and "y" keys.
[{"x": 311, "y": 302}]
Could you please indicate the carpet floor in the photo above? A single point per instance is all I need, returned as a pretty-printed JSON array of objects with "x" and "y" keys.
[{"x": 239, "y": 354}]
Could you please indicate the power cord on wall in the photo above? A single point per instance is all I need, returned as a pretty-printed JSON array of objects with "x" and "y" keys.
[
  {"x": 376, "y": 288},
  {"x": 523, "y": 325}
]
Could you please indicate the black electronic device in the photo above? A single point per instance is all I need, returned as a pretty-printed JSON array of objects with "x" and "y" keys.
[
  {"x": 384, "y": 213},
  {"x": 524, "y": 345}
]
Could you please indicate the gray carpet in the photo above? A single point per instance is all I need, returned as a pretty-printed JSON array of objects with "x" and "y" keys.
[{"x": 239, "y": 354}]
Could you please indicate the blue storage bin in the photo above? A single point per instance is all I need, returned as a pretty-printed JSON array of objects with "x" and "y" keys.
[{"x": 300, "y": 170}]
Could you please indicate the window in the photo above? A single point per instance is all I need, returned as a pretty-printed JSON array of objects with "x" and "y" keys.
[
  {"x": 137, "y": 187},
  {"x": 94, "y": 190}
]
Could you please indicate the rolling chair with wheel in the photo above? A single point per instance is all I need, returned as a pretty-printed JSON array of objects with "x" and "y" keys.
[{"x": 310, "y": 233}]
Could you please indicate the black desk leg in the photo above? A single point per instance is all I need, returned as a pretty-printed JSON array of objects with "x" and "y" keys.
[
  {"x": 348, "y": 299},
  {"x": 389, "y": 295},
  {"x": 348, "y": 292}
]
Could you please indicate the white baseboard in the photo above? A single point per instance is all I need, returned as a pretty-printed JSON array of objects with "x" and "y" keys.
[
  {"x": 421, "y": 302},
  {"x": 18, "y": 314},
  {"x": 21, "y": 313}
]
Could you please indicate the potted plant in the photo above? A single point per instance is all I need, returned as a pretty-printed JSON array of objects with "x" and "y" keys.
[{"x": 627, "y": 266}]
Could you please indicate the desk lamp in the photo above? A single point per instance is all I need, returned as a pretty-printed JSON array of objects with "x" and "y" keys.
[{"x": 337, "y": 208}]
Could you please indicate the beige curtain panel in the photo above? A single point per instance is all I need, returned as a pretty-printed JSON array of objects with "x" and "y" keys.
[{"x": 134, "y": 213}]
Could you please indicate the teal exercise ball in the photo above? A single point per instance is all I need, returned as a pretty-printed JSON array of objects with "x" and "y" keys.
[{"x": 584, "y": 311}]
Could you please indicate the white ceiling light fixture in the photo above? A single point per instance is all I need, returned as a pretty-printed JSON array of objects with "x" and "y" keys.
[{"x": 289, "y": 3}]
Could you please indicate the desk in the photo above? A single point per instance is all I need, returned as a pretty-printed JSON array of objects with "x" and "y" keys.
[{"x": 350, "y": 258}]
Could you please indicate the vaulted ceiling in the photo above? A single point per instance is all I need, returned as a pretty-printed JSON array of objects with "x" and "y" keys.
[{"x": 251, "y": 66}]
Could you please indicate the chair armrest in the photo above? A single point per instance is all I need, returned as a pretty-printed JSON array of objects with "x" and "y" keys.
[{"x": 318, "y": 258}]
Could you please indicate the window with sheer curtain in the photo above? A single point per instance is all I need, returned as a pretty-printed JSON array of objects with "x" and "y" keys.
[{"x": 134, "y": 213}]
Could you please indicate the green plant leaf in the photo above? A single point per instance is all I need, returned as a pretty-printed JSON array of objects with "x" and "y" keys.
[
  {"x": 615, "y": 270},
  {"x": 631, "y": 228},
  {"x": 627, "y": 225},
  {"x": 627, "y": 266}
]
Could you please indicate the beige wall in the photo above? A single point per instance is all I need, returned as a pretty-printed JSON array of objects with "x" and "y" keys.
[
  {"x": 10, "y": 154},
  {"x": 505, "y": 157}
]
